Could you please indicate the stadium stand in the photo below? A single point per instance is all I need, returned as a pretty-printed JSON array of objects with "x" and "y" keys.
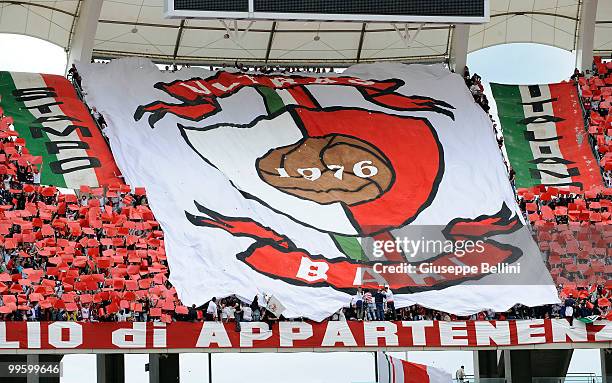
[
  {"x": 597, "y": 100},
  {"x": 98, "y": 255},
  {"x": 65, "y": 256},
  {"x": 572, "y": 226}
]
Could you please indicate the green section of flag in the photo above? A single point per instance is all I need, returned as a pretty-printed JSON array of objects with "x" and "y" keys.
[
  {"x": 589, "y": 319},
  {"x": 510, "y": 112},
  {"x": 23, "y": 120},
  {"x": 350, "y": 246},
  {"x": 273, "y": 101}
]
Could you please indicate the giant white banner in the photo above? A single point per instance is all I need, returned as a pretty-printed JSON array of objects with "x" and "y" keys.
[{"x": 305, "y": 188}]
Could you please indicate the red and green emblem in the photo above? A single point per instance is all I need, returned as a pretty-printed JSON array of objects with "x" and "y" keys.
[{"x": 352, "y": 171}]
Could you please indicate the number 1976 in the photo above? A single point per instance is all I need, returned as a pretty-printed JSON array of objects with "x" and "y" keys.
[{"x": 362, "y": 169}]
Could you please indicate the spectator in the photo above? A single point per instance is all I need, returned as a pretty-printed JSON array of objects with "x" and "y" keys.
[
  {"x": 569, "y": 309},
  {"x": 390, "y": 302},
  {"x": 192, "y": 313},
  {"x": 460, "y": 374},
  {"x": 211, "y": 310},
  {"x": 358, "y": 299},
  {"x": 379, "y": 299},
  {"x": 85, "y": 313},
  {"x": 255, "y": 309},
  {"x": 238, "y": 312},
  {"x": 369, "y": 304},
  {"x": 247, "y": 313}
]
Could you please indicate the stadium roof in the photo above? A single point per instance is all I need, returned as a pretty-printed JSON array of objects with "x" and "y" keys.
[{"x": 137, "y": 28}]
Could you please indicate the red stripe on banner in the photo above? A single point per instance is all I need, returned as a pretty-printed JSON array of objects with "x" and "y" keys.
[
  {"x": 98, "y": 148},
  {"x": 568, "y": 107},
  {"x": 302, "y": 98},
  {"x": 415, "y": 373}
]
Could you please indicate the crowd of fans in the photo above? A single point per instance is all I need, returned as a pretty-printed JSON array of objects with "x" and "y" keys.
[
  {"x": 98, "y": 254},
  {"x": 474, "y": 84},
  {"x": 572, "y": 225},
  {"x": 596, "y": 92},
  {"x": 91, "y": 254},
  {"x": 236, "y": 66},
  {"x": 572, "y": 228},
  {"x": 259, "y": 69}
]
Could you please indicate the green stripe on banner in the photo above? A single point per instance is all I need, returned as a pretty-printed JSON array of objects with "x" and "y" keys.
[
  {"x": 273, "y": 101},
  {"x": 350, "y": 246},
  {"x": 510, "y": 112},
  {"x": 23, "y": 121}
]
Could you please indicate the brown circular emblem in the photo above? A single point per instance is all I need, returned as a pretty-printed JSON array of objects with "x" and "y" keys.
[{"x": 333, "y": 168}]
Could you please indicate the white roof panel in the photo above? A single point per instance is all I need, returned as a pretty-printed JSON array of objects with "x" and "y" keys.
[
  {"x": 137, "y": 27},
  {"x": 550, "y": 22},
  {"x": 48, "y": 20},
  {"x": 212, "y": 44}
]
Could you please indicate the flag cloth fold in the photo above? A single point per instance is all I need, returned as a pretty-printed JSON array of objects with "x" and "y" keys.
[{"x": 394, "y": 370}]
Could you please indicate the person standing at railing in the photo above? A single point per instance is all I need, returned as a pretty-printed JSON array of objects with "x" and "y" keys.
[
  {"x": 460, "y": 375},
  {"x": 359, "y": 304},
  {"x": 569, "y": 309},
  {"x": 390, "y": 302}
]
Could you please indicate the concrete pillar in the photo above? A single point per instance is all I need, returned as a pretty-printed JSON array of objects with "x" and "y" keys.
[
  {"x": 459, "y": 47},
  {"x": 586, "y": 35},
  {"x": 164, "y": 368},
  {"x": 476, "y": 362},
  {"x": 606, "y": 365},
  {"x": 507, "y": 361},
  {"x": 81, "y": 45},
  {"x": 110, "y": 368},
  {"x": 33, "y": 359}
]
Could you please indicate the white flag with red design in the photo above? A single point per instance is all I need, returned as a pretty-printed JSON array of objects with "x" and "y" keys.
[
  {"x": 394, "y": 370},
  {"x": 285, "y": 184}
]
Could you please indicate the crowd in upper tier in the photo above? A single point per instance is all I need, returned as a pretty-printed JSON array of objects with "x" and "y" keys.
[
  {"x": 596, "y": 92},
  {"x": 571, "y": 225},
  {"x": 86, "y": 254},
  {"x": 98, "y": 254}
]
